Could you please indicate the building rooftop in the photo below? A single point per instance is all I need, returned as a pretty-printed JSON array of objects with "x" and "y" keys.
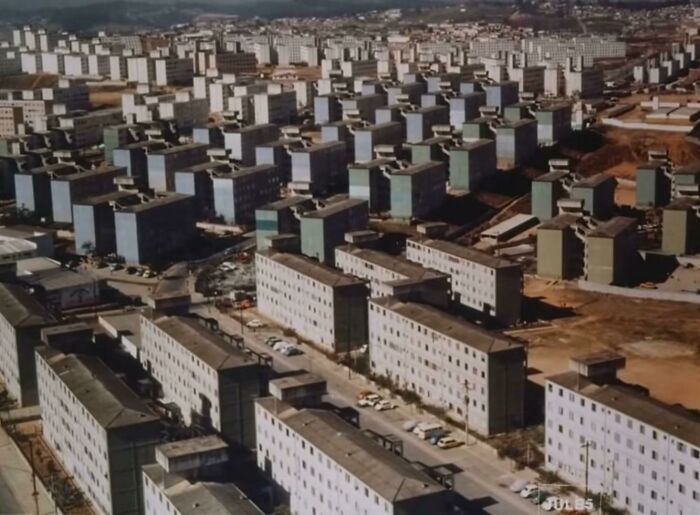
[
  {"x": 451, "y": 326},
  {"x": 692, "y": 169},
  {"x": 335, "y": 208},
  {"x": 153, "y": 203},
  {"x": 471, "y": 145},
  {"x": 192, "y": 446},
  {"x": 683, "y": 204},
  {"x": 614, "y": 227},
  {"x": 180, "y": 148},
  {"x": 206, "y": 167},
  {"x": 560, "y": 222},
  {"x": 396, "y": 264},
  {"x": 113, "y": 196},
  {"x": 463, "y": 252},
  {"x": 389, "y": 475},
  {"x": 413, "y": 169},
  {"x": 677, "y": 422},
  {"x": 593, "y": 181},
  {"x": 203, "y": 343},
  {"x": 99, "y": 390},
  {"x": 201, "y": 497},
  {"x": 284, "y": 203},
  {"x": 297, "y": 381},
  {"x": 312, "y": 269},
  {"x": 20, "y": 309},
  {"x": 551, "y": 177}
]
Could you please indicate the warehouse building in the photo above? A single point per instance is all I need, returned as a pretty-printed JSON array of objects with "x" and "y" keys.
[
  {"x": 490, "y": 286},
  {"x": 213, "y": 382},
  {"x": 324, "y": 229},
  {"x": 334, "y": 314},
  {"x": 355, "y": 473},
  {"x": 395, "y": 276},
  {"x": 100, "y": 430},
  {"x": 471, "y": 373},
  {"x": 21, "y": 321},
  {"x": 615, "y": 439}
]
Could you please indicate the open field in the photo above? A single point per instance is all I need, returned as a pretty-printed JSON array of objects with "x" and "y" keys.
[{"x": 661, "y": 340}]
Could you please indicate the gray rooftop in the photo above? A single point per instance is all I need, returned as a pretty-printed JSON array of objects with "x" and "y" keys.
[
  {"x": 593, "y": 181},
  {"x": 551, "y": 176},
  {"x": 396, "y": 264},
  {"x": 284, "y": 203},
  {"x": 390, "y": 476},
  {"x": 614, "y": 227},
  {"x": 560, "y": 222},
  {"x": 153, "y": 203},
  {"x": 203, "y": 343},
  {"x": 428, "y": 166},
  {"x": 678, "y": 422},
  {"x": 310, "y": 268},
  {"x": 463, "y": 252},
  {"x": 98, "y": 389},
  {"x": 20, "y": 309},
  {"x": 451, "y": 326},
  {"x": 192, "y": 446},
  {"x": 335, "y": 208}
]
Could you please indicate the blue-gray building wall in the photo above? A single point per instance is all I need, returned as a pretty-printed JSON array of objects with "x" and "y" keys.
[
  {"x": 33, "y": 193},
  {"x": 465, "y": 107}
]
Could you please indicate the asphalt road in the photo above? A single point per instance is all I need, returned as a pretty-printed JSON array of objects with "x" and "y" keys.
[{"x": 478, "y": 471}]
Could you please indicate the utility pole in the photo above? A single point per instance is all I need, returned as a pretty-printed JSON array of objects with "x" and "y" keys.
[{"x": 586, "y": 446}]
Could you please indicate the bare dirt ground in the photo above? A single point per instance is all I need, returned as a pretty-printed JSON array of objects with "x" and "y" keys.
[{"x": 661, "y": 340}]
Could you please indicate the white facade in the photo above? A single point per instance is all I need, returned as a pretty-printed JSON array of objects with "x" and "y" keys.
[
  {"x": 82, "y": 405},
  {"x": 482, "y": 282},
  {"x": 314, "y": 300},
  {"x": 643, "y": 454},
  {"x": 448, "y": 363},
  {"x": 328, "y": 466}
]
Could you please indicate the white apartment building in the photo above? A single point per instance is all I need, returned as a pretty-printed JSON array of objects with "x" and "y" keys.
[
  {"x": 101, "y": 432},
  {"x": 452, "y": 364},
  {"x": 212, "y": 381},
  {"x": 329, "y": 466},
  {"x": 489, "y": 285},
  {"x": 21, "y": 321},
  {"x": 173, "y": 70},
  {"x": 318, "y": 302},
  {"x": 11, "y": 117},
  {"x": 391, "y": 275},
  {"x": 643, "y": 454}
]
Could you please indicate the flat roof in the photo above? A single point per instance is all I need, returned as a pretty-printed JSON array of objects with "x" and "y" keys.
[
  {"x": 297, "y": 380},
  {"x": 593, "y": 181},
  {"x": 201, "y": 497},
  {"x": 676, "y": 421},
  {"x": 456, "y": 328},
  {"x": 613, "y": 227},
  {"x": 551, "y": 176},
  {"x": 463, "y": 252},
  {"x": 106, "y": 198},
  {"x": 692, "y": 169},
  {"x": 99, "y": 390},
  {"x": 310, "y": 268},
  {"x": 205, "y": 167},
  {"x": 560, "y": 222},
  {"x": 335, "y": 208},
  {"x": 152, "y": 203},
  {"x": 204, "y": 343},
  {"x": 397, "y": 264},
  {"x": 284, "y": 203},
  {"x": 472, "y": 144},
  {"x": 389, "y": 475},
  {"x": 20, "y": 309},
  {"x": 192, "y": 446},
  {"x": 414, "y": 169},
  {"x": 682, "y": 204}
]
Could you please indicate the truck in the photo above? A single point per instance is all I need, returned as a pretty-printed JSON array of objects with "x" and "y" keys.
[{"x": 429, "y": 430}]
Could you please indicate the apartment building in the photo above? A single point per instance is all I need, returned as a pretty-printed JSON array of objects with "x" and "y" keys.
[
  {"x": 475, "y": 375},
  {"x": 101, "y": 432},
  {"x": 488, "y": 285},
  {"x": 318, "y": 302},
  {"x": 389, "y": 275},
  {"x": 643, "y": 454},
  {"x": 21, "y": 321},
  {"x": 329, "y": 466},
  {"x": 213, "y": 382},
  {"x": 173, "y": 70},
  {"x": 239, "y": 192}
]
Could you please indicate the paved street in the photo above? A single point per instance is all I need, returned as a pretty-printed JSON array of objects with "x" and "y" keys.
[
  {"x": 16, "y": 483},
  {"x": 481, "y": 470}
]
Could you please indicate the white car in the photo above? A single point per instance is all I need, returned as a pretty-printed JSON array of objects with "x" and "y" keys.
[
  {"x": 255, "y": 323},
  {"x": 369, "y": 401},
  {"x": 280, "y": 345},
  {"x": 529, "y": 491},
  {"x": 448, "y": 442},
  {"x": 518, "y": 485},
  {"x": 384, "y": 405}
]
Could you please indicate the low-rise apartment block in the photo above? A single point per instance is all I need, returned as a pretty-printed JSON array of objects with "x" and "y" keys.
[
  {"x": 474, "y": 374},
  {"x": 489, "y": 285},
  {"x": 318, "y": 302}
]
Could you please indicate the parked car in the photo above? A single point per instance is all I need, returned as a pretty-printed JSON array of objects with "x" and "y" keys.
[
  {"x": 448, "y": 442},
  {"x": 518, "y": 485},
  {"x": 409, "y": 425},
  {"x": 529, "y": 491},
  {"x": 272, "y": 340},
  {"x": 384, "y": 405},
  {"x": 255, "y": 323},
  {"x": 369, "y": 401},
  {"x": 280, "y": 345},
  {"x": 291, "y": 350}
]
